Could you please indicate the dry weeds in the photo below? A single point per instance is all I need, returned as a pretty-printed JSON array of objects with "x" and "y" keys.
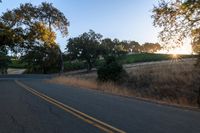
[
  {"x": 91, "y": 83},
  {"x": 175, "y": 83}
]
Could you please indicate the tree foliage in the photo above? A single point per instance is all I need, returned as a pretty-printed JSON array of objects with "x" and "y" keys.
[
  {"x": 132, "y": 46},
  {"x": 33, "y": 27},
  {"x": 4, "y": 61},
  {"x": 54, "y": 18},
  {"x": 85, "y": 47},
  {"x": 108, "y": 47},
  {"x": 42, "y": 59},
  {"x": 43, "y": 56},
  {"x": 118, "y": 48},
  {"x": 112, "y": 47},
  {"x": 27, "y": 16},
  {"x": 178, "y": 19},
  {"x": 196, "y": 40},
  {"x": 111, "y": 70},
  {"x": 150, "y": 47},
  {"x": 90, "y": 46},
  {"x": 10, "y": 38}
]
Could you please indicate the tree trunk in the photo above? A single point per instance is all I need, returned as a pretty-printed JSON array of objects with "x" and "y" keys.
[
  {"x": 89, "y": 68},
  {"x": 61, "y": 62},
  {"x": 60, "y": 53},
  {"x": 44, "y": 70}
]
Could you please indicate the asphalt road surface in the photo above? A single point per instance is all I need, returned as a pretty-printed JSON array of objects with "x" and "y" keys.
[{"x": 28, "y": 104}]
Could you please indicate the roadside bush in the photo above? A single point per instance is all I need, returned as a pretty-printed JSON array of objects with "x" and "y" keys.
[
  {"x": 42, "y": 59},
  {"x": 17, "y": 63},
  {"x": 75, "y": 65},
  {"x": 4, "y": 61},
  {"x": 111, "y": 70}
]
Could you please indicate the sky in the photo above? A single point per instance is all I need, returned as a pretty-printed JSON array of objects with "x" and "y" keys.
[{"x": 122, "y": 19}]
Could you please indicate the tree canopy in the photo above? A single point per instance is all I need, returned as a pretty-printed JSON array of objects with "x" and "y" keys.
[
  {"x": 150, "y": 47},
  {"x": 85, "y": 47},
  {"x": 114, "y": 47},
  {"x": 178, "y": 19},
  {"x": 27, "y": 17},
  {"x": 32, "y": 28}
]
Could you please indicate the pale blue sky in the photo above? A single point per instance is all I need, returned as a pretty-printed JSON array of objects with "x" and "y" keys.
[{"x": 122, "y": 19}]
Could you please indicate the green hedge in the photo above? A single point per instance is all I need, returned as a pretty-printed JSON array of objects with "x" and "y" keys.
[
  {"x": 75, "y": 65},
  {"x": 16, "y": 64}
]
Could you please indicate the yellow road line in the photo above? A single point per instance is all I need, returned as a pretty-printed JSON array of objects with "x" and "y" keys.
[{"x": 89, "y": 119}]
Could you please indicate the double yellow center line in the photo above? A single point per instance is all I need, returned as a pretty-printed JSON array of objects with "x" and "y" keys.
[{"x": 89, "y": 119}]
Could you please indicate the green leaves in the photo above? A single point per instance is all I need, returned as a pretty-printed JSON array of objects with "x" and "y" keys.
[
  {"x": 31, "y": 28},
  {"x": 35, "y": 23},
  {"x": 85, "y": 47},
  {"x": 111, "y": 70},
  {"x": 51, "y": 16},
  {"x": 4, "y": 61}
]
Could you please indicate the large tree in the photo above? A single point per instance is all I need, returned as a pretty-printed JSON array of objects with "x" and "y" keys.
[
  {"x": 37, "y": 25},
  {"x": 108, "y": 47},
  {"x": 133, "y": 46},
  {"x": 43, "y": 56},
  {"x": 113, "y": 47},
  {"x": 179, "y": 19},
  {"x": 54, "y": 18},
  {"x": 150, "y": 47},
  {"x": 85, "y": 47}
]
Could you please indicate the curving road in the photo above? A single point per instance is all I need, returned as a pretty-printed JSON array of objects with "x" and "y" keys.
[{"x": 28, "y": 104}]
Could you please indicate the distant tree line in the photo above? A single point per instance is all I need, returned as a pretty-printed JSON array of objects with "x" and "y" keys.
[{"x": 90, "y": 46}]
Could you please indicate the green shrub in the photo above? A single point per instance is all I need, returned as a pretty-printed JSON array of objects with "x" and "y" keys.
[
  {"x": 111, "y": 70},
  {"x": 4, "y": 61},
  {"x": 75, "y": 65},
  {"x": 16, "y": 63}
]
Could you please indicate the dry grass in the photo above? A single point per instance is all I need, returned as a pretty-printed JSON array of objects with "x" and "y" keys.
[
  {"x": 91, "y": 83},
  {"x": 174, "y": 83}
]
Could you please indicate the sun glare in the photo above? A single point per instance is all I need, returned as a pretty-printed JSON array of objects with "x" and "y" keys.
[
  {"x": 185, "y": 49},
  {"x": 174, "y": 56}
]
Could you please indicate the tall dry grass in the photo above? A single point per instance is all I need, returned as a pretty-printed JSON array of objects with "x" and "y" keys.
[
  {"x": 176, "y": 82},
  {"x": 91, "y": 83}
]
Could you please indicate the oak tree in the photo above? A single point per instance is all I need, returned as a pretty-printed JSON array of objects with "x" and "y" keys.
[
  {"x": 85, "y": 47},
  {"x": 178, "y": 20},
  {"x": 37, "y": 25}
]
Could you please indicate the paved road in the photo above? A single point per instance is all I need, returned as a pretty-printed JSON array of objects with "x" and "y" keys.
[{"x": 24, "y": 112}]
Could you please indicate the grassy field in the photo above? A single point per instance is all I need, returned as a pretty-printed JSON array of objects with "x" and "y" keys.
[
  {"x": 148, "y": 57},
  {"x": 175, "y": 82},
  {"x": 127, "y": 59}
]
